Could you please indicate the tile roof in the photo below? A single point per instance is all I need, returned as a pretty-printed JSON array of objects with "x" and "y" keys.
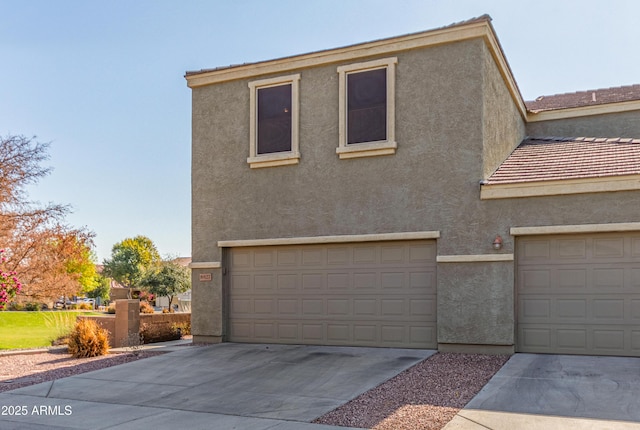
[
  {"x": 557, "y": 158},
  {"x": 584, "y": 98}
]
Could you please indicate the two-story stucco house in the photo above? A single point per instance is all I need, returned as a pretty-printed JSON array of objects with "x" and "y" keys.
[{"x": 400, "y": 193}]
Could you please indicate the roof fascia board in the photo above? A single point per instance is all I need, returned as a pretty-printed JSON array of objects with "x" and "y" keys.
[
  {"x": 560, "y": 187},
  {"x": 577, "y": 112},
  {"x": 368, "y": 49}
]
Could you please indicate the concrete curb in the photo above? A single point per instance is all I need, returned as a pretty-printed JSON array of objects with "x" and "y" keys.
[{"x": 159, "y": 346}]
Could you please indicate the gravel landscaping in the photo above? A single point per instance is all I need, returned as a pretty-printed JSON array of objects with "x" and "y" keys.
[
  {"x": 21, "y": 370},
  {"x": 426, "y": 396}
]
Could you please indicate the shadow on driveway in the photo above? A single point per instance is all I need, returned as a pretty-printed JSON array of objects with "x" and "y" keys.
[{"x": 221, "y": 386}]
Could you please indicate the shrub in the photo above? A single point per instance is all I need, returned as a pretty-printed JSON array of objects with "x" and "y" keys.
[
  {"x": 88, "y": 339},
  {"x": 16, "y": 307},
  {"x": 146, "y": 308},
  {"x": 158, "y": 332},
  {"x": 85, "y": 306},
  {"x": 111, "y": 309},
  {"x": 31, "y": 307},
  {"x": 60, "y": 325},
  {"x": 168, "y": 311},
  {"x": 182, "y": 329}
]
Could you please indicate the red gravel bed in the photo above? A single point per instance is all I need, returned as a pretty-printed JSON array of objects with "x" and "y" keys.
[
  {"x": 424, "y": 397},
  {"x": 21, "y": 370}
]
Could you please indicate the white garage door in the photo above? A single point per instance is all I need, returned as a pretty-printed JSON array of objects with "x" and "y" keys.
[
  {"x": 365, "y": 294},
  {"x": 579, "y": 294}
]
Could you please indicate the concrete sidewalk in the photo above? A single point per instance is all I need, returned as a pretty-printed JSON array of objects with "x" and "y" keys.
[
  {"x": 225, "y": 386},
  {"x": 537, "y": 391}
]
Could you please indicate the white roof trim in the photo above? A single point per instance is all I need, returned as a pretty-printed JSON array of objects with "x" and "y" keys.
[{"x": 415, "y": 235}]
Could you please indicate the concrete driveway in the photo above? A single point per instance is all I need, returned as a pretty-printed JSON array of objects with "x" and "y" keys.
[
  {"x": 537, "y": 391},
  {"x": 225, "y": 386}
]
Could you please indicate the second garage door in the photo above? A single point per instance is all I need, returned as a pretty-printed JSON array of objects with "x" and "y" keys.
[
  {"x": 365, "y": 294},
  {"x": 579, "y": 294}
]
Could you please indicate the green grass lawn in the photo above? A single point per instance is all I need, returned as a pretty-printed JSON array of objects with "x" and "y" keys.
[{"x": 35, "y": 329}]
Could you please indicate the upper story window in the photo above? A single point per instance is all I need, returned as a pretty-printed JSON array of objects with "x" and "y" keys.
[
  {"x": 367, "y": 108},
  {"x": 273, "y": 132}
]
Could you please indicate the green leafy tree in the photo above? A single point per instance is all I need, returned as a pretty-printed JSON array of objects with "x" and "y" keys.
[
  {"x": 168, "y": 279},
  {"x": 82, "y": 264},
  {"x": 103, "y": 285},
  {"x": 130, "y": 260}
]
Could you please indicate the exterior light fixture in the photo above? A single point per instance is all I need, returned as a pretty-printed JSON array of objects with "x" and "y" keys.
[{"x": 497, "y": 242}]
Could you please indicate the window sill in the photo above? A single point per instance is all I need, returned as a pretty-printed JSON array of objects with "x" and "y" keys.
[
  {"x": 373, "y": 149},
  {"x": 273, "y": 160}
]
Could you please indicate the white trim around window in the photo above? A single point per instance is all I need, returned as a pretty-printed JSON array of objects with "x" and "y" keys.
[
  {"x": 367, "y": 149},
  {"x": 256, "y": 160}
]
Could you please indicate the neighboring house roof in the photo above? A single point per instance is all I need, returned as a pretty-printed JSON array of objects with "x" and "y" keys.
[
  {"x": 584, "y": 98},
  {"x": 558, "y": 158},
  {"x": 182, "y": 261}
]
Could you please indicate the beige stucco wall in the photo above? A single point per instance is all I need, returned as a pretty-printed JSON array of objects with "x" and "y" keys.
[
  {"x": 455, "y": 122},
  {"x": 475, "y": 300},
  {"x": 625, "y": 124},
  {"x": 503, "y": 127},
  {"x": 438, "y": 129}
]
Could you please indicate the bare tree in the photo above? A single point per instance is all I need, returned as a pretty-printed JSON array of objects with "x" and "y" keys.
[{"x": 38, "y": 244}]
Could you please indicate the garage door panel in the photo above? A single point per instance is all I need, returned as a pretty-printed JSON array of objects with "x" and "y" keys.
[
  {"x": 424, "y": 308},
  {"x": 264, "y": 283},
  {"x": 313, "y": 307},
  {"x": 264, "y": 259},
  {"x": 392, "y": 254},
  {"x": 571, "y": 309},
  {"x": 580, "y": 310},
  {"x": 375, "y": 294},
  {"x": 365, "y": 255},
  {"x": 423, "y": 281},
  {"x": 313, "y": 258},
  {"x": 571, "y": 339},
  {"x": 313, "y": 282},
  {"x": 241, "y": 260},
  {"x": 534, "y": 279},
  {"x": 392, "y": 280},
  {"x": 579, "y": 294},
  {"x": 608, "y": 248},
  {"x": 338, "y": 256},
  {"x": 287, "y": 282},
  {"x": 286, "y": 258},
  {"x": 572, "y": 248},
  {"x": 608, "y": 278}
]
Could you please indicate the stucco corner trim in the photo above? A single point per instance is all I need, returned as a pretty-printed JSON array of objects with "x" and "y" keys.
[
  {"x": 561, "y": 187},
  {"x": 573, "y": 229},
  {"x": 416, "y": 235},
  {"x": 205, "y": 265},
  {"x": 475, "y": 258}
]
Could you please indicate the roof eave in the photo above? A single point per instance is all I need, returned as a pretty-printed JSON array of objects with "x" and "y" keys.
[{"x": 576, "y": 112}]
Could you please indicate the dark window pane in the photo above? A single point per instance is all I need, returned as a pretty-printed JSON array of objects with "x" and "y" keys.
[
  {"x": 274, "y": 119},
  {"x": 367, "y": 106}
]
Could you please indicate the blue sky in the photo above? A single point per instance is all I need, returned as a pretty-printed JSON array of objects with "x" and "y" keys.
[{"x": 103, "y": 81}]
